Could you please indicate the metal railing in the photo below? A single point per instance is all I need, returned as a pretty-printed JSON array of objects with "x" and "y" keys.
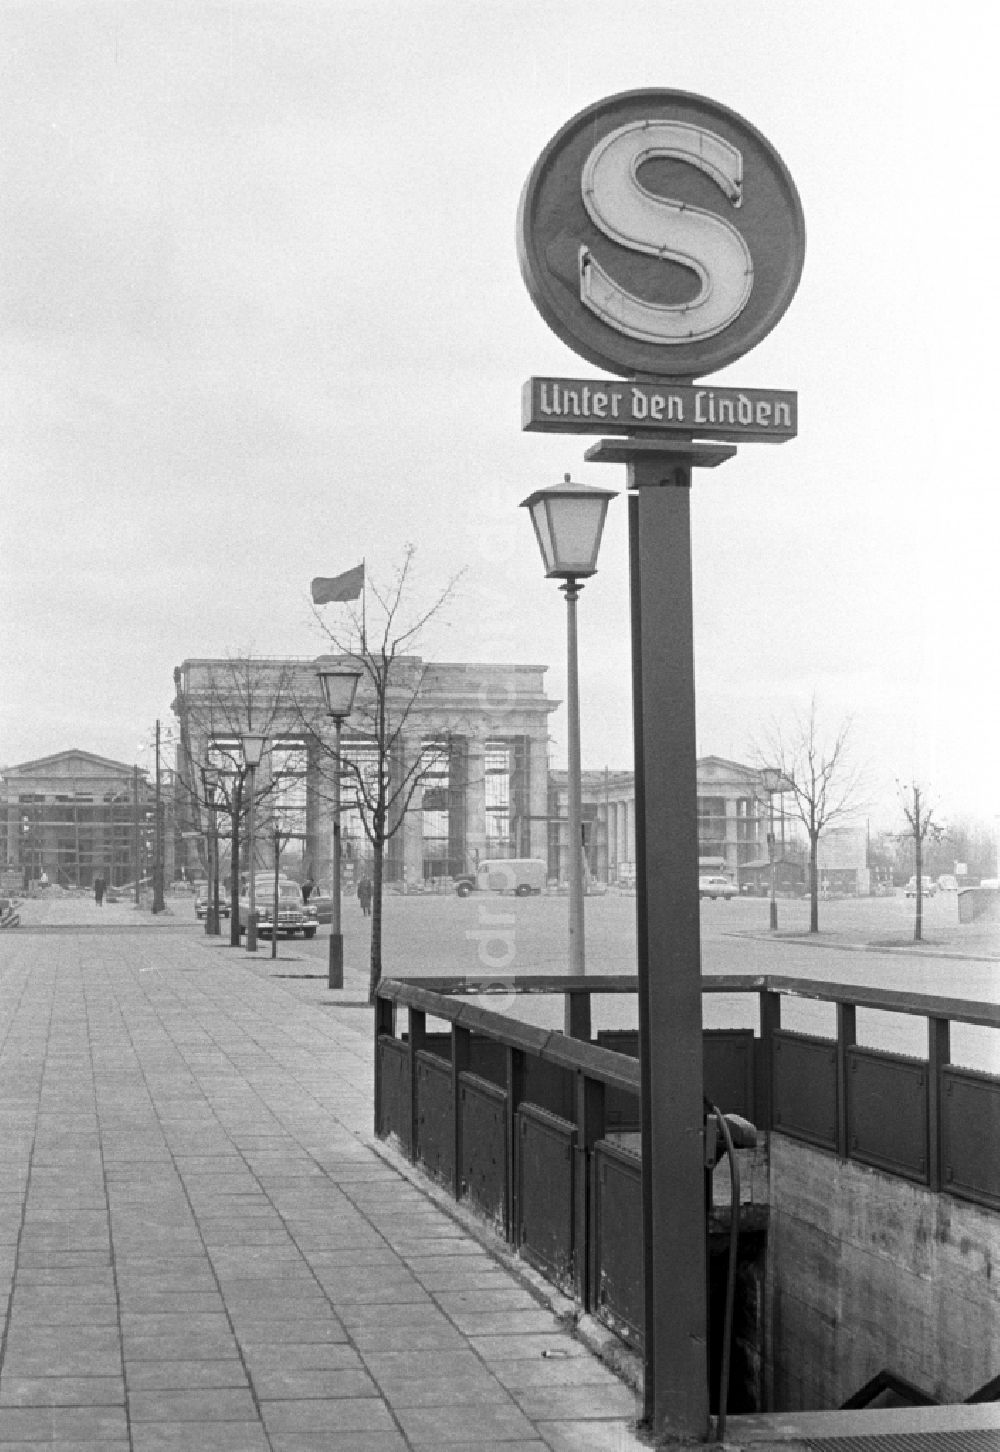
[{"x": 927, "y": 1120}]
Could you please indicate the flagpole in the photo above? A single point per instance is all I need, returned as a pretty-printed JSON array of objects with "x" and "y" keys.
[{"x": 364, "y": 594}]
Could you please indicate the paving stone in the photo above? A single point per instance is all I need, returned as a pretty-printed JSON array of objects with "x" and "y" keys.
[
  {"x": 439, "y": 1426},
  {"x": 214, "y": 1404},
  {"x": 593, "y": 1436},
  {"x": 353, "y": 1414},
  {"x": 294, "y": 1357},
  {"x": 340, "y": 1442},
  {"x": 95, "y": 1426},
  {"x": 181, "y": 1375},
  {"x": 556, "y": 1403},
  {"x": 313, "y": 1384},
  {"x": 61, "y": 1391},
  {"x": 210, "y": 1437}
]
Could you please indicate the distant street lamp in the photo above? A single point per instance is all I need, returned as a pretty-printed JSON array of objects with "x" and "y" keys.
[
  {"x": 253, "y": 750},
  {"x": 770, "y": 779},
  {"x": 339, "y": 687},
  {"x": 210, "y": 783},
  {"x": 569, "y": 521}
]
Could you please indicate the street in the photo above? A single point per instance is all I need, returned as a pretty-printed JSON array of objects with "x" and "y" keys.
[{"x": 866, "y": 941}]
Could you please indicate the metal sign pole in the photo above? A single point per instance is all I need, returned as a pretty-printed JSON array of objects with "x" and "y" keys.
[{"x": 668, "y": 927}]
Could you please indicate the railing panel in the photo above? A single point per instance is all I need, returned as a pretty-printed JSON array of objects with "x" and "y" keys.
[
  {"x": 618, "y": 1293},
  {"x": 394, "y": 1090},
  {"x": 435, "y": 1147},
  {"x": 621, "y": 1109},
  {"x": 545, "y": 1155},
  {"x": 729, "y": 1070},
  {"x": 484, "y": 1146},
  {"x": 970, "y": 1134},
  {"x": 887, "y": 1112},
  {"x": 488, "y": 1059},
  {"x": 549, "y": 1087},
  {"x": 804, "y": 1088}
]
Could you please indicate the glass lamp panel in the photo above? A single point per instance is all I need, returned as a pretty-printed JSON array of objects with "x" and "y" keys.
[
  {"x": 338, "y": 690},
  {"x": 253, "y": 749},
  {"x": 543, "y": 533},
  {"x": 576, "y": 526}
]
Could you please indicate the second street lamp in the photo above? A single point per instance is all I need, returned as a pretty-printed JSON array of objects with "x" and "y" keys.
[
  {"x": 253, "y": 750},
  {"x": 569, "y": 521},
  {"x": 210, "y": 782},
  {"x": 339, "y": 687}
]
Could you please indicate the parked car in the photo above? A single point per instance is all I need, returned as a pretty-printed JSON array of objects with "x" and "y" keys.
[
  {"x": 320, "y": 905},
  {"x": 520, "y": 875},
  {"x": 928, "y": 887},
  {"x": 716, "y": 886},
  {"x": 201, "y": 903},
  {"x": 292, "y": 915}
]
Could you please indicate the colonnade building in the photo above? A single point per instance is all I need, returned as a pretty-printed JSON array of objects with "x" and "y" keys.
[{"x": 472, "y": 739}]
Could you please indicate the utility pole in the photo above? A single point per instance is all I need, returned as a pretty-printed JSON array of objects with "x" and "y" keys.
[
  {"x": 135, "y": 834},
  {"x": 158, "y": 904}
]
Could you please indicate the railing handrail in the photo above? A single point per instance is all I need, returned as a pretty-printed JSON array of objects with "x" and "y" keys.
[
  {"x": 553, "y": 1047},
  {"x": 890, "y": 1000}
]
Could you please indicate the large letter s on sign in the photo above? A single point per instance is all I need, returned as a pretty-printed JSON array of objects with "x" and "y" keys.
[{"x": 638, "y": 219}]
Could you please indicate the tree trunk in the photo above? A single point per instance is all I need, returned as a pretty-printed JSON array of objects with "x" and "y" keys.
[
  {"x": 375, "y": 974},
  {"x": 918, "y": 841},
  {"x": 813, "y": 884}
]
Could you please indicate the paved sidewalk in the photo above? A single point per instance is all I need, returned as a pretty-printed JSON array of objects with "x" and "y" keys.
[{"x": 201, "y": 1247}]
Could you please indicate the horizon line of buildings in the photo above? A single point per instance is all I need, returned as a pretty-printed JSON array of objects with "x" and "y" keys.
[{"x": 475, "y": 735}]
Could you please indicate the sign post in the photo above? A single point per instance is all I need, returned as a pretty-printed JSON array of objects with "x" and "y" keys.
[{"x": 661, "y": 237}]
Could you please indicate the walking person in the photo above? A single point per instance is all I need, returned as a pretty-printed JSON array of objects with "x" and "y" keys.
[
  {"x": 365, "y": 895},
  {"x": 99, "y": 886}
]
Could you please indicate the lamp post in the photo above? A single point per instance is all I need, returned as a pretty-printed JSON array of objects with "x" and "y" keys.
[
  {"x": 210, "y": 782},
  {"x": 158, "y": 903},
  {"x": 339, "y": 687},
  {"x": 771, "y": 780},
  {"x": 253, "y": 750},
  {"x": 569, "y": 521}
]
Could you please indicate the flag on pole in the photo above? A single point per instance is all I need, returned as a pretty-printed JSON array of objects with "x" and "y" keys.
[{"x": 347, "y": 586}]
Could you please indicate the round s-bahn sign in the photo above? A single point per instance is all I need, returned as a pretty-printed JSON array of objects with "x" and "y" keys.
[{"x": 660, "y": 233}]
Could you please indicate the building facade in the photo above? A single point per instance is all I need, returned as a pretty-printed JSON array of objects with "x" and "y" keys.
[
  {"x": 467, "y": 763},
  {"x": 75, "y": 816},
  {"x": 732, "y": 820}
]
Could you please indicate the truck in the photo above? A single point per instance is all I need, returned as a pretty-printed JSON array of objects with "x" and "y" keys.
[{"x": 520, "y": 875}]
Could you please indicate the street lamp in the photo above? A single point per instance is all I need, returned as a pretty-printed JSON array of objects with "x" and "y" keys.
[
  {"x": 770, "y": 779},
  {"x": 253, "y": 750},
  {"x": 569, "y": 521},
  {"x": 210, "y": 783},
  {"x": 339, "y": 687}
]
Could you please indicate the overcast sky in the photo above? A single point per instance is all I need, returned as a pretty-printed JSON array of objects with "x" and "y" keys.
[{"x": 262, "y": 317}]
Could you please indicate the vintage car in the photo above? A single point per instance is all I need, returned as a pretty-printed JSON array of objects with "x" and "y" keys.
[
  {"x": 292, "y": 915},
  {"x": 716, "y": 886}
]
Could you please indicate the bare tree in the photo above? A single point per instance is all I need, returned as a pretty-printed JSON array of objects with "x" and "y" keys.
[
  {"x": 922, "y": 825},
  {"x": 820, "y": 778},
  {"x": 228, "y": 699},
  {"x": 383, "y": 778}
]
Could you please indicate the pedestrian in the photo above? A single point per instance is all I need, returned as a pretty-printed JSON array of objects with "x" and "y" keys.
[
  {"x": 307, "y": 888},
  {"x": 365, "y": 895},
  {"x": 99, "y": 886}
]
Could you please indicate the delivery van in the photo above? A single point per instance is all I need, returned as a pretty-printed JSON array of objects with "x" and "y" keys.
[{"x": 520, "y": 875}]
